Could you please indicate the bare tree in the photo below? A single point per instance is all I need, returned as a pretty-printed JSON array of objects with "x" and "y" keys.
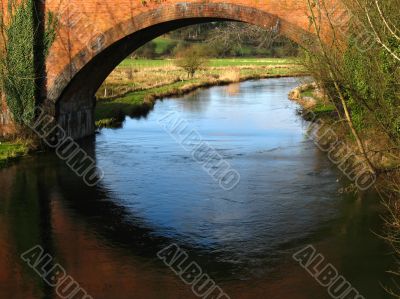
[
  {"x": 237, "y": 34},
  {"x": 191, "y": 60}
]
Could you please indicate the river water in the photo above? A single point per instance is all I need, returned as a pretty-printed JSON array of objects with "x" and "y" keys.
[{"x": 154, "y": 194}]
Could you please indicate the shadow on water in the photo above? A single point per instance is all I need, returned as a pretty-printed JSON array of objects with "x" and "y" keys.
[{"x": 33, "y": 187}]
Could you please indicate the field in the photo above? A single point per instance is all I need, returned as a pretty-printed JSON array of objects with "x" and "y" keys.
[
  {"x": 135, "y": 84},
  {"x": 217, "y": 62}
]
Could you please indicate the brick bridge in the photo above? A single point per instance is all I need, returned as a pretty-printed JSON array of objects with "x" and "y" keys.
[{"x": 94, "y": 36}]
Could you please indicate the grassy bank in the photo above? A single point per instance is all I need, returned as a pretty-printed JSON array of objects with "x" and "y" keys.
[
  {"x": 11, "y": 151},
  {"x": 384, "y": 157},
  {"x": 134, "y": 86}
]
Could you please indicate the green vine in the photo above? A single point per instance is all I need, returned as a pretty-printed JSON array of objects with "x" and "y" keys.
[{"x": 18, "y": 70}]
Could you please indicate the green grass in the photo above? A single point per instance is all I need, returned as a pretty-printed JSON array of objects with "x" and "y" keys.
[
  {"x": 222, "y": 62},
  {"x": 129, "y": 62},
  {"x": 10, "y": 151},
  {"x": 322, "y": 109},
  {"x": 225, "y": 62},
  {"x": 307, "y": 93},
  {"x": 131, "y": 104}
]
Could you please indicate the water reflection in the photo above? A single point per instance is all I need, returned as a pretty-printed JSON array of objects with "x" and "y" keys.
[
  {"x": 153, "y": 194},
  {"x": 190, "y": 102},
  {"x": 233, "y": 89}
]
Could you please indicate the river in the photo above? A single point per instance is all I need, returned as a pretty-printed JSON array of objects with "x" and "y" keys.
[{"x": 154, "y": 194}]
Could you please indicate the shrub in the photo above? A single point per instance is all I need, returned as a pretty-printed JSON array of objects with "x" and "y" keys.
[{"x": 191, "y": 60}]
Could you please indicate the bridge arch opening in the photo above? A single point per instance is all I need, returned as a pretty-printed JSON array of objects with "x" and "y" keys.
[{"x": 73, "y": 90}]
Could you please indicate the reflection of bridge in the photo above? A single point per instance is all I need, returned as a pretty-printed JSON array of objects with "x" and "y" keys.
[{"x": 94, "y": 36}]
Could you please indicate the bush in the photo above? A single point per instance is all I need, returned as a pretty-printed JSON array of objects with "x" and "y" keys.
[{"x": 191, "y": 60}]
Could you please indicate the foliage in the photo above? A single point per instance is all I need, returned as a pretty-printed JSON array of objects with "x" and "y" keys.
[
  {"x": 19, "y": 72},
  {"x": 18, "y": 69},
  {"x": 360, "y": 71},
  {"x": 372, "y": 80},
  {"x": 366, "y": 74},
  {"x": 191, "y": 60}
]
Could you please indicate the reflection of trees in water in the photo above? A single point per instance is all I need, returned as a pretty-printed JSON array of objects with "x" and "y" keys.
[
  {"x": 233, "y": 89},
  {"x": 196, "y": 101},
  {"x": 361, "y": 218}
]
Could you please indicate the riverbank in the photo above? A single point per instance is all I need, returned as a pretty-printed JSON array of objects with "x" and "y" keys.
[
  {"x": 134, "y": 86},
  {"x": 12, "y": 151},
  {"x": 384, "y": 157}
]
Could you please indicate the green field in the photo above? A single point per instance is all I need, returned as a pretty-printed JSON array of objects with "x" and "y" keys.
[
  {"x": 224, "y": 62},
  {"x": 221, "y": 62},
  {"x": 162, "y": 44}
]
